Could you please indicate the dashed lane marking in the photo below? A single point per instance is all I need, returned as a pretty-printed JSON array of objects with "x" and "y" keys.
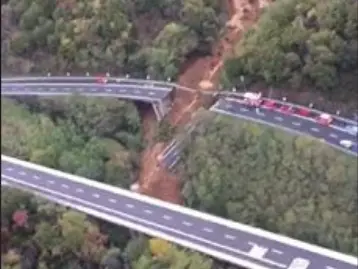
[
  {"x": 333, "y": 135},
  {"x": 113, "y": 201},
  {"x": 36, "y": 177},
  {"x": 187, "y": 223},
  {"x": 148, "y": 211},
  {"x": 151, "y": 93},
  {"x": 167, "y": 217},
  {"x": 22, "y": 173},
  {"x": 109, "y": 90},
  {"x": 278, "y": 118},
  {"x": 296, "y": 123},
  {"x": 129, "y": 205},
  {"x": 243, "y": 109},
  {"x": 208, "y": 230},
  {"x": 9, "y": 169},
  {"x": 96, "y": 195},
  {"x": 230, "y": 237},
  {"x": 64, "y": 186},
  {"x": 277, "y": 251},
  {"x": 51, "y": 181},
  {"x": 79, "y": 190},
  {"x": 314, "y": 129}
]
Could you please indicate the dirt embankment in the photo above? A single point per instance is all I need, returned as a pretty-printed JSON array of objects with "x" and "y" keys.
[{"x": 201, "y": 73}]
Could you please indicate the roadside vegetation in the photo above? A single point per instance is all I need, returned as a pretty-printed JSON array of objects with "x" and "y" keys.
[
  {"x": 245, "y": 172},
  {"x": 301, "y": 45},
  {"x": 257, "y": 175}
]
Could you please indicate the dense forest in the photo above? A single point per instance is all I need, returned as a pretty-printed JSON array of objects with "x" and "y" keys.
[
  {"x": 301, "y": 45},
  {"x": 139, "y": 37},
  {"x": 257, "y": 175}
]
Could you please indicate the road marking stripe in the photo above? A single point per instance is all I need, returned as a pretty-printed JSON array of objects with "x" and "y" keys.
[
  {"x": 187, "y": 223},
  {"x": 148, "y": 211},
  {"x": 36, "y": 177},
  {"x": 65, "y": 186},
  {"x": 296, "y": 123},
  {"x": 279, "y": 118},
  {"x": 79, "y": 190},
  {"x": 208, "y": 230},
  {"x": 315, "y": 129},
  {"x": 129, "y": 205},
  {"x": 96, "y": 195},
  {"x": 9, "y": 169},
  {"x": 112, "y": 200},
  {"x": 167, "y": 217},
  {"x": 231, "y": 237},
  {"x": 22, "y": 173},
  {"x": 51, "y": 181}
]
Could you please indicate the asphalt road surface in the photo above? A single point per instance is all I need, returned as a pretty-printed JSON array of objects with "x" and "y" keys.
[
  {"x": 248, "y": 246},
  {"x": 291, "y": 123},
  {"x": 127, "y": 91}
]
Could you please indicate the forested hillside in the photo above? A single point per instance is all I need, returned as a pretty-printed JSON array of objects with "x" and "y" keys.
[
  {"x": 309, "y": 45},
  {"x": 256, "y": 175},
  {"x": 120, "y": 36}
]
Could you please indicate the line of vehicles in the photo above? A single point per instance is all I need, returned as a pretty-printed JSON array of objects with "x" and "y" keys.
[{"x": 255, "y": 100}]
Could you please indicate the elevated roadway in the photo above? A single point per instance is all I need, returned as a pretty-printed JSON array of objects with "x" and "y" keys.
[
  {"x": 226, "y": 240},
  {"x": 145, "y": 91},
  {"x": 291, "y": 123}
]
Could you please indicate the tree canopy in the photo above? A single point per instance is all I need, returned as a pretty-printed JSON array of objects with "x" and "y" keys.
[
  {"x": 292, "y": 185},
  {"x": 301, "y": 44},
  {"x": 118, "y": 36}
]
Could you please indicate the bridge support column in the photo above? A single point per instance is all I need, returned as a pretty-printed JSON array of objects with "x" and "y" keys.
[
  {"x": 158, "y": 113},
  {"x": 161, "y": 108}
]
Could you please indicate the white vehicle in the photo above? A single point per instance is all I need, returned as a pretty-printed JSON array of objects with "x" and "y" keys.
[
  {"x": 351, "y": 129},
  {"x": 346, "y": 143},
  {"x": 252, "y": 99}
]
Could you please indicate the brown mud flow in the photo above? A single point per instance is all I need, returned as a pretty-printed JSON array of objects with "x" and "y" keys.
[{"x": 200, "y": 73}]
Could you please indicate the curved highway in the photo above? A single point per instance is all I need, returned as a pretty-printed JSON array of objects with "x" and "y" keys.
[
  {"x": 236, "y": 243},
  {"x": 226, "y": 240},
  {"x": 291, "y": 123}
]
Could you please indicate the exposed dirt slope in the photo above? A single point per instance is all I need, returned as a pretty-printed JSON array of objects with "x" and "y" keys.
[{"x": 202, "y": 73}]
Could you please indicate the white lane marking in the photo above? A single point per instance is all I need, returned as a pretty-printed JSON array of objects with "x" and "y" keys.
[
  {"x": 64, "y": 186},
  {"x": 109, "y": 90},
  {"x": 129, "y": 205},
  {"x": 187, "y": 223},
  {"x": 36, "y": 177},
  {"x": 148, "y": 211},
  {"x": 9, "y": 169},
  {"x": 94, "y": 89},
  {"x": 279, "y": 118},
  {"x": 79, "y": 190},
  {"x": 113, "y": 201},
  {"x": 277, "y": 251},
  {"x": 333, "y": 135},
  {"x": 137, "y": 92},
  {"x": 330, "y": 267},
  {"x": 22, "y": 173},
  {"x": 122, "y": 90},
  {"x": 314, "y": 129},
  {"x": 230, "y": 237},
  {"x": 243, "y": 109},
  {"x": 167, "y": 217},
  {"x": 151, "y": 93},
  {"x": 95, "y": 195},
  {"x": 51, "y": 181},
  {"x": 208, "y": 230},
  {"x": 108, "y": 213},
  {"x": 296, "y": 123}
]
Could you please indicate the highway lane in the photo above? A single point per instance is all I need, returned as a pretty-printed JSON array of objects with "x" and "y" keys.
[
  {"x": 249, "y": 246},
  {"x": 291, "y": 123},
  {"x": 133, "y": 92},
  {"x": 91, "y": 79}
]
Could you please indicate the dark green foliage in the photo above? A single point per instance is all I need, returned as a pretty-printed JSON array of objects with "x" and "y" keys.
[
  {"x": 291, "y": 185},
  {"x": 300, "y": 44}
]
